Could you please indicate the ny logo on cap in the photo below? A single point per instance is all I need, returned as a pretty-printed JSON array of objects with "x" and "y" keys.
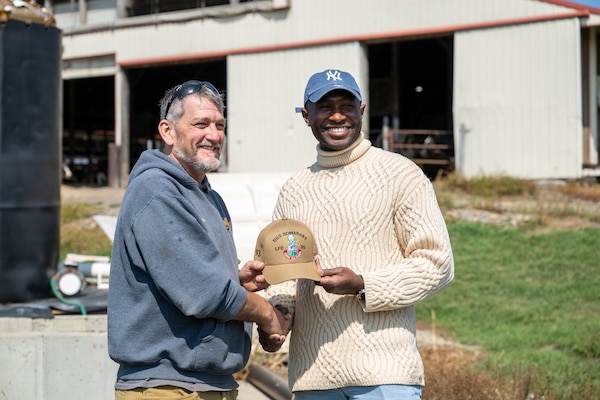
[{"x": 334, "y": 75}]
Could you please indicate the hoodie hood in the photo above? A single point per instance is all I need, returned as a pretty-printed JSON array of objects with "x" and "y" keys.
[{"x": 151, "y": 159}]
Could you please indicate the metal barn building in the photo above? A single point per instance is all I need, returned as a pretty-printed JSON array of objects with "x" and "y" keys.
[{"x": 513, "y": 84}]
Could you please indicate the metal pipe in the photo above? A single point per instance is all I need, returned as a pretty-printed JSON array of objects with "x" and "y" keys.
[{"x": 269, "y": 383}]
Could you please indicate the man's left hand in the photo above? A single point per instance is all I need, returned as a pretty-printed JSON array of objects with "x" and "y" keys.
[{"x": 339, "y": 280}]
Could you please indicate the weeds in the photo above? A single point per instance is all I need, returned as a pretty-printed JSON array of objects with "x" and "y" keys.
[
  {"x": 570, "y": 203},
  {"x": 79, "y": 233},
  {"x": 492, "y": 186},
  {"x": 73, "y": 212},
  {"x": 584, "y": 190},
  {"x": 450, "y": 376}
]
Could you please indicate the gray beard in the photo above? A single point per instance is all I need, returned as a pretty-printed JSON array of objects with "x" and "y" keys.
[{"x": 195, "y": 163}]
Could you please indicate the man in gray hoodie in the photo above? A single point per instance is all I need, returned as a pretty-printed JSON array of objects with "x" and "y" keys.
[{"x": 179, "y": 308}]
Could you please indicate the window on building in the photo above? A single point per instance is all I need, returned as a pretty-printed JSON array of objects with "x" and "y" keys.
[{"x": 144, "y": 7}]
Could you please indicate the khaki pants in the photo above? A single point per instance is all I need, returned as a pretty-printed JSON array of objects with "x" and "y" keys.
[{"x": 172, "y": 393}]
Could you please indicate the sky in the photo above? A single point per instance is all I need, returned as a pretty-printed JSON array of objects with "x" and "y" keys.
[{"x": 591, "y": 3}]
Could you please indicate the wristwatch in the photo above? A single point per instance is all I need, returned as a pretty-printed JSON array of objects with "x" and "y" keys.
[{"x": 361, "y": 295}]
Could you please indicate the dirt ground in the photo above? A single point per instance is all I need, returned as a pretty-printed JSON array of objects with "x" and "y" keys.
[
  {"x": 85, "y": 194},
  {"x": 550, "y": 209}
]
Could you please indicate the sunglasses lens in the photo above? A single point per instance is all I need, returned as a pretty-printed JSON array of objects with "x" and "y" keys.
[
  {"x": 191, "y": 87},
  {"x": 187, "y": 88}
]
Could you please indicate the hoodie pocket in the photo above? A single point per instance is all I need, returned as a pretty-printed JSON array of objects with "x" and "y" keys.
[{"x": 225, "y": 350}]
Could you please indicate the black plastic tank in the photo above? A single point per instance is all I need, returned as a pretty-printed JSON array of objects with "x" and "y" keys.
[{"x": 30, "y": 150}]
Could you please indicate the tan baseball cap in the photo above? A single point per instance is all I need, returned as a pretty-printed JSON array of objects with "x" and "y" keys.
[{"x": 287, "y": 247}]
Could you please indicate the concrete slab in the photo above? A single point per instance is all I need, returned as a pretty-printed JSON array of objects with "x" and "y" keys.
[
  {"x": 248, "y": 392},
  {"x": 63, "y": 358}
]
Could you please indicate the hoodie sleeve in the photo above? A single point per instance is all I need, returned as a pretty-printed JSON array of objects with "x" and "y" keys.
[{"x": 185, "y": 252}]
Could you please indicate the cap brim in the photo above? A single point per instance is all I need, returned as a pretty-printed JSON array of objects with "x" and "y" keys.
[
  {"x": 280, "y": 273},
  {"x": 318, "y": 94}
]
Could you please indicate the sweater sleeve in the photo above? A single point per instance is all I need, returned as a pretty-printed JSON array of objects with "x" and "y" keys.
[
  {"x": 283, "y": 294},
  {"x": 427, "y": 265}
]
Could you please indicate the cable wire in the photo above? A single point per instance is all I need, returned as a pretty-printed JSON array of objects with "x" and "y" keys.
[{"x": 60, "y": 297}]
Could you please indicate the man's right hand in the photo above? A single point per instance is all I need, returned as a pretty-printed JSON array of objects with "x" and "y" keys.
[
  {"x": 272, "y": 341},
  {"x": 272, "y": 321}
]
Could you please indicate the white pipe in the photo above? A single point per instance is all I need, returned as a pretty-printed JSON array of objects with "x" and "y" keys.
[{"x": 94, "y": 269}]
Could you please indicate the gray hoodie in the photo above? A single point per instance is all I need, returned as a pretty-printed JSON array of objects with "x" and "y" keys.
[{"x": 174, "y": 285}]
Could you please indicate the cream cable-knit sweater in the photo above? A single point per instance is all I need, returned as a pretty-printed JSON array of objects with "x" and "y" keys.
[{"x": 375, "y": 212}]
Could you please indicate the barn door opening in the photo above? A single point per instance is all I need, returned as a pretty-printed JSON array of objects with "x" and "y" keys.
[{"x": 410, "y": 106}]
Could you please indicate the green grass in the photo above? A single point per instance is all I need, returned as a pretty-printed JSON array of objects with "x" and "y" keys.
[
  {"x": 79, "y": 234},
  {"x": 529, "y": 301},
  {"x": 73, "y": 212}
]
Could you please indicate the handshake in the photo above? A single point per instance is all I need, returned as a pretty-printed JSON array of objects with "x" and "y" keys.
[{"x": 286, "y": 250}]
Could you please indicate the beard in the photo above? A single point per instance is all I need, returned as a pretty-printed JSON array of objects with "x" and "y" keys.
[{"x": 191, "y": 159}]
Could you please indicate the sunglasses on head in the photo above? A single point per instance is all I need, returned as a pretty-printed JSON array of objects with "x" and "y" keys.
[{"x": 187, "y": 88}]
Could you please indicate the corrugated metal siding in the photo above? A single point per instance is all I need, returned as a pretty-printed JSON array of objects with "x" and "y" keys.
[
  {"x": 517, "y": 101},
  {"x": 264, "y": 133},
  {"x": 315, "y": 18},
  {"x": 507, "y": 89},
  {"x": 306, "y": 21}
]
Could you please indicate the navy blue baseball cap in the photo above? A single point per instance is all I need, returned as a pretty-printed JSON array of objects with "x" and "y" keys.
[{"x": 324, "y": 82}]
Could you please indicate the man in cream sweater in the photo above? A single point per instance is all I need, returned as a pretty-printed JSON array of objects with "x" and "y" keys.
[{"x": 383, "y": 247}]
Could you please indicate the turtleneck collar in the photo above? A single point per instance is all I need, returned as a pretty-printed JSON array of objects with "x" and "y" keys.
[{"x": 339, "y": 158}]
